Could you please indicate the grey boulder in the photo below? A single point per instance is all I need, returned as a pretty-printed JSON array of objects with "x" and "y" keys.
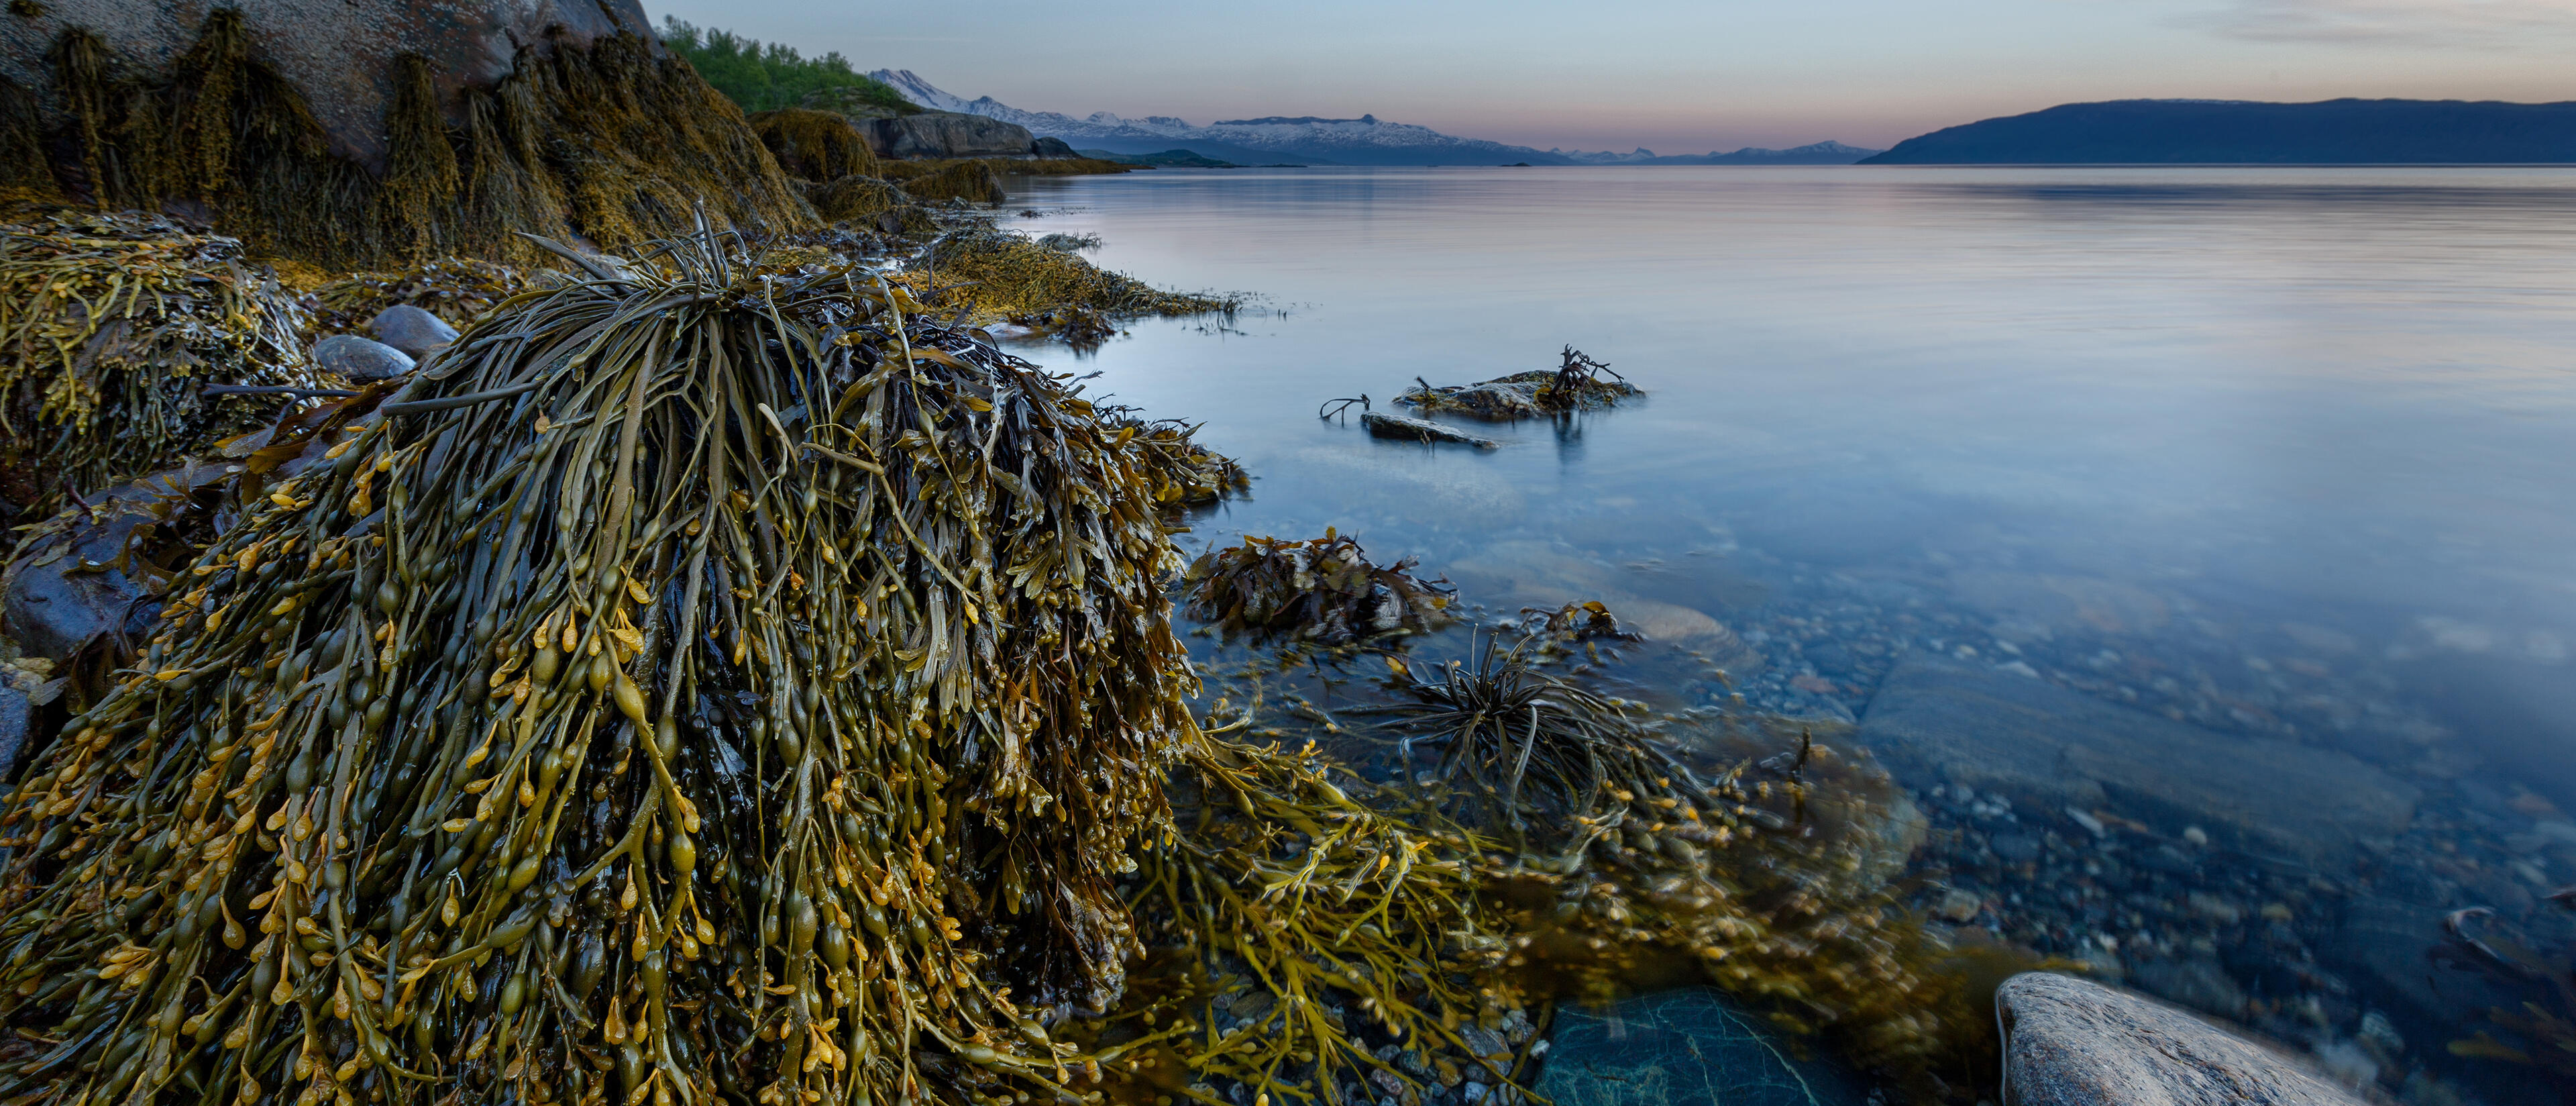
[
  {"x": 1405, "y": 428},
  {"x": 415, "y": 332},
  {"x": 360, "y": 359},
  {"x": 1936, "y": 720},
  {"x": 2068, "y": 1042}
]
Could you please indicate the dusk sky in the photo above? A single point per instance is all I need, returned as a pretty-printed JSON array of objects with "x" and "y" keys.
[{"x": 1677, "y": 76}]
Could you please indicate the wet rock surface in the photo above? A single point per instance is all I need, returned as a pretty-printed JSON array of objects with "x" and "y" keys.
[
  {"x": 2073, "y": 1043},
  {"x": 415, "y": 332},
  {"x": 1409, "y": 429},
  {"x": 74, "y": 583},
  {"x": 1937, "y": 721},
  {"x": 1677, "y": 1048},
  {"x": 360, "y": 359}
]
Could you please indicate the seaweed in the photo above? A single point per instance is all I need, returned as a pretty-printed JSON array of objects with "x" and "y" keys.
[
  {"x": 708, "y": 682},
  {"x": 1323, "y": 590},
  {"x": 857, "y": 197},
  {"x": 1184, "y": 473},
  {"x": 970, "y": 181},
  {"x": 996, "y": 275},
  {"x": 116, "y": 323},
  {"x": 817, "y": 146},
  {"x": 460, "y": 290}
]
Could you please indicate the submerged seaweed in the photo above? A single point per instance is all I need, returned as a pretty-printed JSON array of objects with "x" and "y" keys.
[{"x": 111, "y": 327}]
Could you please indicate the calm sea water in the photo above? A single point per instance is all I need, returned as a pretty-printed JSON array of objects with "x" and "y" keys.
[{"x": 2287, "y": 454}]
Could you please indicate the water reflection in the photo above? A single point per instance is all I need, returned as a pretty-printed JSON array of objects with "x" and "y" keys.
[{"x": 2281, "y": 458}]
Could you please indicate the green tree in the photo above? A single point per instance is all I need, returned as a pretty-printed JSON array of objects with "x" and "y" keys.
[{"x": 758, "y": 77}]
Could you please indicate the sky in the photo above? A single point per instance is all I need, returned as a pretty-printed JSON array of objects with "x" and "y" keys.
[{"x": 1675, "y": 76}]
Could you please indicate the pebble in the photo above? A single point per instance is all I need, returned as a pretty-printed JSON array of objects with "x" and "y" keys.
[
  {"x": 415, "y": 332},
  {"x": 360, "y": 359}
]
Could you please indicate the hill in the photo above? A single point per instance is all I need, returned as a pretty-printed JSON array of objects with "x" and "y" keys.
[{"x": 2239, "y": 132}]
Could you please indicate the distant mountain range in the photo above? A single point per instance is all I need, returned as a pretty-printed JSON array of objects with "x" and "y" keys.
[
  {"x": 1366, "y": 140},
  {"x": 1819, "y": 153},
  {"x": 2240, "y": 132}
]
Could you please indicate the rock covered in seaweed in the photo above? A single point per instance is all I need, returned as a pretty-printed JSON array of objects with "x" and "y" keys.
[
  {"x": 1579, "y": 383},
  {"x": 1323, "y": 590},
  {"x": 814, "y": 145},
  {"x": 745, "y": 642},
  {"x": 112, "y": 326},
  {"x": 373, "y": 132}
]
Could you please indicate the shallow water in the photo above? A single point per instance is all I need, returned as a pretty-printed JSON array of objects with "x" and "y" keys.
[{"x": 2284, "y": 454}]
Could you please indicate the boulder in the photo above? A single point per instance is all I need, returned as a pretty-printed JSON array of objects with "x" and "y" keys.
[
  {"x": 17, "y": 713},
  {"x": 1938, "y": 721},
  {"x": 415, "y": 332},
  {"x": 1409, "y": 429},
  {"x": 1678, "y": 1048},
  {"x": 2068, "y": 1042},
  {"x": 339, "y": 53},
  {"x": 360, "y": 359},
  {"x": 83, "y": 577},
  {"x": 1052, "y": 147},
  {"x": 946, "y": 134}
]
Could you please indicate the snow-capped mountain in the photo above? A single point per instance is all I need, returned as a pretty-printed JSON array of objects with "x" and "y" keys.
[{"x": 1366, "y": 140}]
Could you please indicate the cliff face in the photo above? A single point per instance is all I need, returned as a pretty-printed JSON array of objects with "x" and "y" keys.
[{"x": 338, "y": 53}]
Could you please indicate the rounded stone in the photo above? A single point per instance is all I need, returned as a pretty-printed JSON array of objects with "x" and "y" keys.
[
  {"x": 360, "y": 359},
  {"x": 412, "y": 330}
]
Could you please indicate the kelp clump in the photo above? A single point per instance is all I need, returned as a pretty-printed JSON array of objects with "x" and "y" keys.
[
  {"x": 969, "y": 181},
  {"x": 614, "y": 141},
  {"x": 459, "y": 290},
  {"x": 1322, "y": 590},
  {"x": 111, "y": 326},
  {"x": 706, "y": 683},
  {"x": 1184, "y": 473},
  {"x": 1578, "y": 383},
  {"x": 857, "y": 197},
  {"x": 998, "y": 275},
  {"x": 814, "y": 145}
]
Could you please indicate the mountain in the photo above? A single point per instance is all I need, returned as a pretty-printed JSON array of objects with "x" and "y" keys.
[
  {"x": 1827, "y": 152},
  {"x": 1366, "y": 140},
  {"x": 2230, "y": 132}
]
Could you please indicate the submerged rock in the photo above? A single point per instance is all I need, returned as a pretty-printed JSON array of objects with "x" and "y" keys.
[
  {"x": 2068, "y": 1042},
  {"x": 360, "y": 359},
  {"x": 1410, "y": 429},
  {"x": 1677, "y": 1048},
  {"x": 414, "y": 331},
  {"x": 1938, "y": 721}
]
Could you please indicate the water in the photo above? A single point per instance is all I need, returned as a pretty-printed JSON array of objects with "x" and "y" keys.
[{"x": 2288, "y": 455}]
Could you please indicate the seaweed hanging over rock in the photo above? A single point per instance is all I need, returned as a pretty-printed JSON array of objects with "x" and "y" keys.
[
  {"x": 1184, "y": 473},
  {"x": 814, "y": 145},
  {"x": 1323, "y": 590},
  {"x": 997, "y": 275},
  {"x": 706, "y": 682},
  {"x": 110, "y": 329},
  {"x": 610, "y": 139},
  {"x": 1578, "y": 383}
]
